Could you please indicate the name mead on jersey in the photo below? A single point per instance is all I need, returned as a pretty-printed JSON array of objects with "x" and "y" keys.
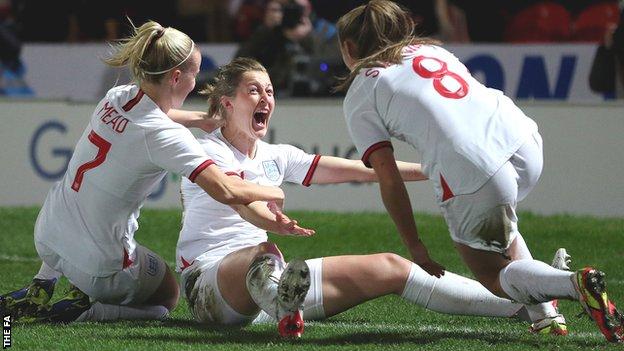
[{"x": 109, "y": 116}]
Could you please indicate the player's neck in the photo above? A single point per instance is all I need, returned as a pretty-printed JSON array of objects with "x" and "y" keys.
[
  {"x": 240, "y": 141},
  {"x": 158, "y": 96}
]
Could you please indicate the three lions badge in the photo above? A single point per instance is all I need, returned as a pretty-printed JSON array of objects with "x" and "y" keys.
[{"x": 271, "y": 170}]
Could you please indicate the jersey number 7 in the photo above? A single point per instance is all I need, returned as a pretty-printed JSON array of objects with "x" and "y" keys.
[{"x": 103, "y": 148}]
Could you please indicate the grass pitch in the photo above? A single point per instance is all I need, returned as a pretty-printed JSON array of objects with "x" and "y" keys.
[{"x": 387, "y": 323}]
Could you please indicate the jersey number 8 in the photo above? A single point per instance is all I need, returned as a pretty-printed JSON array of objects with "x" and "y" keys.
[{"x": 438, "y": 75}]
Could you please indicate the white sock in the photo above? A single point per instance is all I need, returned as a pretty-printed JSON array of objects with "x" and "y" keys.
[
  {"x": 454, "y": 294},
  {"x": 47, "y": 273},
  {"x": 542, "y": 310},
  {"x": 103, "y": 312},
  {"x": 532, "y": 281}
]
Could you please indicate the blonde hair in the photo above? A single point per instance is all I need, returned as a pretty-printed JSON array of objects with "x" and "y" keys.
[
  {"x": 152, "y": 51},
  {"x": 380, "y": 30},
  {"x": 225, "y": 83}
]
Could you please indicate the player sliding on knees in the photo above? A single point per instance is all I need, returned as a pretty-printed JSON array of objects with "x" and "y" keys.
[
  {"x": 481, "y": 152},
  {"x": 85, "y": 229},
  {"x": 229, "y": 270}
]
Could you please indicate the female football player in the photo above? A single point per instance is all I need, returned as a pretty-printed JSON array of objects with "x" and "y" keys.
[
  {"x": 230, "y": 271},
  {"x": 85, "y": 229},
  {"x": 481, "y": 152}
]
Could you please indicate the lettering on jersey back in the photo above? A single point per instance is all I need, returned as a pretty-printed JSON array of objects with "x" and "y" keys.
[
  {"x": 109, "y": 116},
  {"x": 371, "y": 72},
  {"x": 410, "y": 49}
]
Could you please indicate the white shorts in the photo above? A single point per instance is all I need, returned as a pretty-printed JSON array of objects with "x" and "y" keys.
[
  {"x": 131, "y": 286},
  {"x": 207, "y": 305},
  {"x": 486, "y": 219}
]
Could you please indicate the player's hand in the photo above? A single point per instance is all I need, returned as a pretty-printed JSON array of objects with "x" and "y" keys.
[
  {"x": 288, "y": 226},
  {"x": 432, "y": 267},
  {"x": 209, "y": 124},
  {"x": 420, "y": 256}
]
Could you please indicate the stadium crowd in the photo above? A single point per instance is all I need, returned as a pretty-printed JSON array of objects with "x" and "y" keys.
[
  {"x": 236, "y": 20},
  {"x": 292, "y": 38}
]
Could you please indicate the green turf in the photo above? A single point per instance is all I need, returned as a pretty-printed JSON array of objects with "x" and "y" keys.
[{"x": 386, "y": 323}]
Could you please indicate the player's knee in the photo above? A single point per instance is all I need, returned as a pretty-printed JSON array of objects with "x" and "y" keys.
[
  {"x": 493, "y": 285},
  {"x": 393, "y": 267},
  {"x": 173, "y": 299},
  {"x": 167, "y": 294},
  {"x": 269, "y": 248},
  {"x": 390, "y": 260}
]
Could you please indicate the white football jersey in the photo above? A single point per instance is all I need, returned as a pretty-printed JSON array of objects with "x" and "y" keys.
[
  {"x": 212, "y": 229},
  {"x": 90, "y": 216},
  {"x": 463, "y": 130}
]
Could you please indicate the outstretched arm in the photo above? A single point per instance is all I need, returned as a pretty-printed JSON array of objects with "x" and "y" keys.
[
  {"x": 233, "y": 190},
  {"x": 194, "y": 119},
  {"x": 340, "y": 170},
  {"x": 397, "y": 203},
  {"x": 272, "y": 220}
]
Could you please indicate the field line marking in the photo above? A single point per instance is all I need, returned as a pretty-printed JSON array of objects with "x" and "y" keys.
[
  {"x": 13, "y": 258},
  {"x": 424, "y": 328}
]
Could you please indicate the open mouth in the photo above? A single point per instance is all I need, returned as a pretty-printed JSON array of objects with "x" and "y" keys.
[{"x": 260, "y": 120}]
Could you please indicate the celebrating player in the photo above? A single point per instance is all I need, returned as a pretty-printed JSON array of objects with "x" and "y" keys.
[
  {"x": 230, "y": 271},
  {"x": 481, "y": 152},
  {"x": 85, "y": 229}
]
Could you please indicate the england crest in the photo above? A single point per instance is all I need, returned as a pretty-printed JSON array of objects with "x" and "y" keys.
[{"x": 271, "y": 170}]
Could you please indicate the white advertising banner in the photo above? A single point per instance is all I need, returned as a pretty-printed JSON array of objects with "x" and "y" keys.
[
  {"x": 535, "y": 72},
  {"x": 584, "y": 162},
  {"x": 76, "y": 71}
]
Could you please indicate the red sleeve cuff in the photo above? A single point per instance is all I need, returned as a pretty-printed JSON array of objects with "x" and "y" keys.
[
  {"x": 373, "y": 148},
  {"x": 200, "y": 168},
  {"x": 308, "y": 178},
  {"x": 232, "y": 173}
]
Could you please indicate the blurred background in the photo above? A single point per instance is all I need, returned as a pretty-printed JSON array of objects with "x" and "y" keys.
[
  {"x": 560, "y": 60},
  {"x": 42, "y": 42}
]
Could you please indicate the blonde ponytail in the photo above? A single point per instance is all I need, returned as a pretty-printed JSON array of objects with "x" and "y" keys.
[{"x": 152, "y": 51}]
